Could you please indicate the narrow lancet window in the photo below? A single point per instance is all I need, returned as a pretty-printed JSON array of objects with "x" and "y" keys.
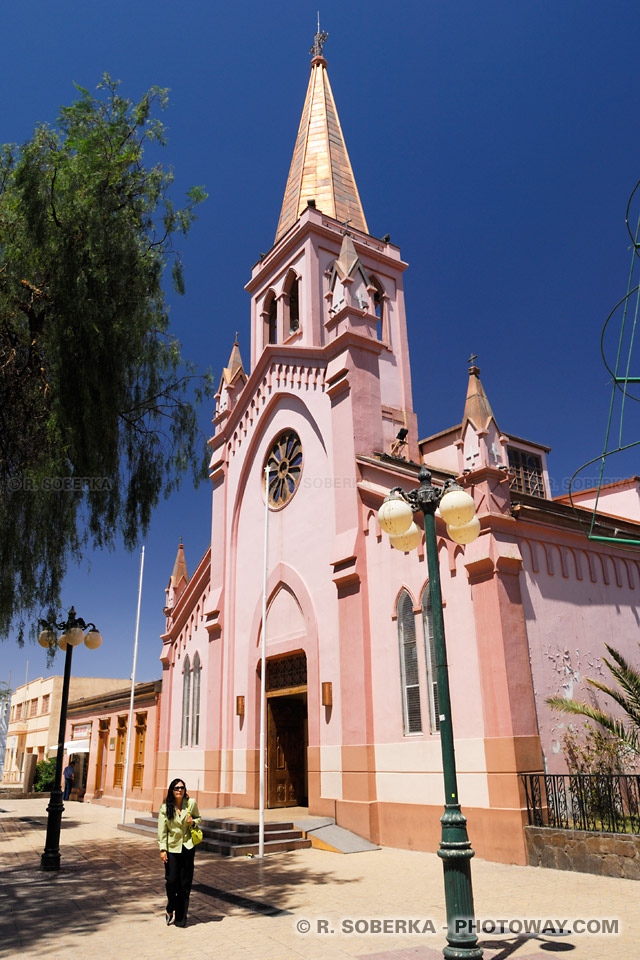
[
  {"x": 430, "y": 659},
  {"x": 195, "y": 712},
  {"x": 186, "y": 695},
  {"x": 412, "y": 719}
]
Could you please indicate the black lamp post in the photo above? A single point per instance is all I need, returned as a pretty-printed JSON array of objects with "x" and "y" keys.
[
  {"x": 395, "y": 517},
  {"x": 72, "y": 634}
]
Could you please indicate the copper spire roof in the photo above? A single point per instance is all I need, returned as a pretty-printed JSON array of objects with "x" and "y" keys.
[
  {"x": 477, "y": 408},
  {"x": 320, "y": 168},
  {"x": 234, "y": 368},
  {"x": 179, "y": 568}
]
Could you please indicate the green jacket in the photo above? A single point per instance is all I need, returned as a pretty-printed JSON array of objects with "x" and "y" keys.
[{"x": 176, "y": 833}]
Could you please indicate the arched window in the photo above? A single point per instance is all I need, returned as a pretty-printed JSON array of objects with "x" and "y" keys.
[
  {"x": 186, "y": 696},
  {"x": 379, "y": 307},
  {"x": 430, "y": 659},
  {"x": 271, "y": 318},
  {"x": 293, "y": 293},
  {"x": 409, "y": 665},
  {"x": 195, "y": 711}
]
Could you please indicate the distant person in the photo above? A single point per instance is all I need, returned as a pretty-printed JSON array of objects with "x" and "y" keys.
[
  {"x": 69, "y": 776},
  {"x": 178, "y": 814}
]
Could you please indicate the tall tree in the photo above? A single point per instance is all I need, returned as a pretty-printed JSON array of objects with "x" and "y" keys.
[{"x": 97, "y": 406}]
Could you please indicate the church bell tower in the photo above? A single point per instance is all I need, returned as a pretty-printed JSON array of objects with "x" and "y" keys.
[{"x": 327, "y": 276}]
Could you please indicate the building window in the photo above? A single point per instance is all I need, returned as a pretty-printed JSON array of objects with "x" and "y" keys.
[
  {"x": 527, "y": 468},
  {"x": 379, "y": 307},
  {"x": 195, "y": 710},
  {"x": 45, "y": 702},
  {"x": 18, "y": 711},
  {"x": 409, "y": 665},
  {"x": 121, "y": 740},
  {"x": 186, "y": 694},
  {"x": 271, "y": 318},
  {"x": 138, "y": 750},
  {"x": 292, "y": 291},
  {"x": 33, "y": 708},
  {"x": 430, "y": 659}
]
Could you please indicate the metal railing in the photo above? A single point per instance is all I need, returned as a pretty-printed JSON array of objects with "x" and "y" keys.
[{"x": 609, "y": 803}]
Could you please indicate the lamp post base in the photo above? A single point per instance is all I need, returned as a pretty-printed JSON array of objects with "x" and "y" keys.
[
  {"x": 456, "y": 853},
  {"x": 50, "y": 859}
]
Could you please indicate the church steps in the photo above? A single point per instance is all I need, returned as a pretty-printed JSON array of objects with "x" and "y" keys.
[{"x": 232, "y": 838}]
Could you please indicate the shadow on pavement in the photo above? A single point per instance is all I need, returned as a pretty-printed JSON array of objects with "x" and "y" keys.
[{"x": 123, "y": 879}]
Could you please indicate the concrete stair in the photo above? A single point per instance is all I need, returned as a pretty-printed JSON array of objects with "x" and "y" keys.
[{"x": 232, "y": 838}]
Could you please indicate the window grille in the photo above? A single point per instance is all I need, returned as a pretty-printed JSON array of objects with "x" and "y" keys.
[
  {"x": 286, "y": 672},
  {"x": 33, "y": 708},
  {"x": 430, "y": 659},
  {"x": 186, "y": 694},
  {"x": 409, "y": 665},
  {"x": 527, "y": 468},
  {"x": 45, "y": 703}
]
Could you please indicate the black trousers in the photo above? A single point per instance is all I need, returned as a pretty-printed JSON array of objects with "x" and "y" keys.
[{"x": 178, "y": 871}]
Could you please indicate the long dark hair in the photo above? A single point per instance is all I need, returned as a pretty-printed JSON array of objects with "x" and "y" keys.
[{"x": 170, "y": 803}]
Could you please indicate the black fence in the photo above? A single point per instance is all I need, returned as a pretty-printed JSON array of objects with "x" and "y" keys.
[{"x": 579, "y": 801}]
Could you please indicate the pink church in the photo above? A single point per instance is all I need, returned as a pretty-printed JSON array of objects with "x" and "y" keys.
[{"x": 352, "y": 704}]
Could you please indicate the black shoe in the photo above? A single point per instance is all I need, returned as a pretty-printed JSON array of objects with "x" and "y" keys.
[
  {"x": 181, "y": 923},
  {"x": 168, "y": 917}
]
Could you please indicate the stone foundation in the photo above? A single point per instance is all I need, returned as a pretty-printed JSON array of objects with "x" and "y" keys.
[{"x": 605, "y": 854}]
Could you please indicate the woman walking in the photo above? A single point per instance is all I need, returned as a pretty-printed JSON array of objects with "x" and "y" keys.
[{"x": 177, "y": 816}]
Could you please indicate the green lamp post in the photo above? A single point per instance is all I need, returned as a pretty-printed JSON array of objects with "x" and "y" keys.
[
  {"x": 72, "y": 634},
  {"x": 396, "y": 518}
]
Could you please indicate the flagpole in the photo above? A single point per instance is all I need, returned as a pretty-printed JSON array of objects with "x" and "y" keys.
[
  {"x": 263, "y": 671},
  {"x": 133, "y": 686}
]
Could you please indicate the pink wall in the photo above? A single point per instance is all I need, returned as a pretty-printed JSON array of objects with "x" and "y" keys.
[{"x": 576, "y": 598}]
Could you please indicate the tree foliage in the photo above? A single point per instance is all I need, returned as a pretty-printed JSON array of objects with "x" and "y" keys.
[
  {"x": 97, "y": 407},
  {"x": 627, "y": 696}
]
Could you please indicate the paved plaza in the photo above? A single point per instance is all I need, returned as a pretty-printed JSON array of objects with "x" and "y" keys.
[{"x": 108, "y": 901}]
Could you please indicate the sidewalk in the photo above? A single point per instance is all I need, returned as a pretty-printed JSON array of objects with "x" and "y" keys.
[{"x": 108, "y": 901}]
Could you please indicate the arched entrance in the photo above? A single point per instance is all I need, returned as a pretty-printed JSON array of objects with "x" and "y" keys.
[{"x": 287, "y": 731}]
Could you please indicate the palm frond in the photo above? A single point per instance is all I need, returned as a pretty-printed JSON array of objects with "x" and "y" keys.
[{"x": 612, "y": 724}]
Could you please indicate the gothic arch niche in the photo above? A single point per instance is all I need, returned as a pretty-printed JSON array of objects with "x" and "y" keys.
[{"x": 285, "y": 620}]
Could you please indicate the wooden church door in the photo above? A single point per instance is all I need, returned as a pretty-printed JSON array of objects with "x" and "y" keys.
[{"x": 287, "y": 747}]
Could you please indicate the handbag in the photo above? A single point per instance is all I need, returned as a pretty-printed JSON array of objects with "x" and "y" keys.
[{"x": 196, "y": 832}]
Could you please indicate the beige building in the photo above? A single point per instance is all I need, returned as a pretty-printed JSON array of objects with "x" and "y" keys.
[
  {"x": 96, "y": 739},
  {"x": 34, "y": 719}
]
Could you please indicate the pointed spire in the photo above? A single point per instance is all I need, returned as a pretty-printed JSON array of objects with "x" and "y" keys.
[
  {"x": 320, "y": 168},
  {"x": 348, "y": 259},
  {"x": 235, "y": 363},
  {"x": 179, "y": 568},
  {"x": 477, "y": 409},
  {"x": 234, "y": 371}
]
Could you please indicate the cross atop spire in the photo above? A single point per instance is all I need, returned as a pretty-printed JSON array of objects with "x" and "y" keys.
[{"x": 320, "y": 168}]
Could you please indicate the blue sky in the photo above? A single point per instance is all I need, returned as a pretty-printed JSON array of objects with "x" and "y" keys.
[{"x": 496, "y": 142}]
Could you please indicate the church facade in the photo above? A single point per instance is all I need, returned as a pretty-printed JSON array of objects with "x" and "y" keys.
[{"x": 352, "y": 720}]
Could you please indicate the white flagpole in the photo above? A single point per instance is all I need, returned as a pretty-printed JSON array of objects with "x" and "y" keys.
[
  {"x": 263, "y": 670},
  {"x": 133, "y": 686}
]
